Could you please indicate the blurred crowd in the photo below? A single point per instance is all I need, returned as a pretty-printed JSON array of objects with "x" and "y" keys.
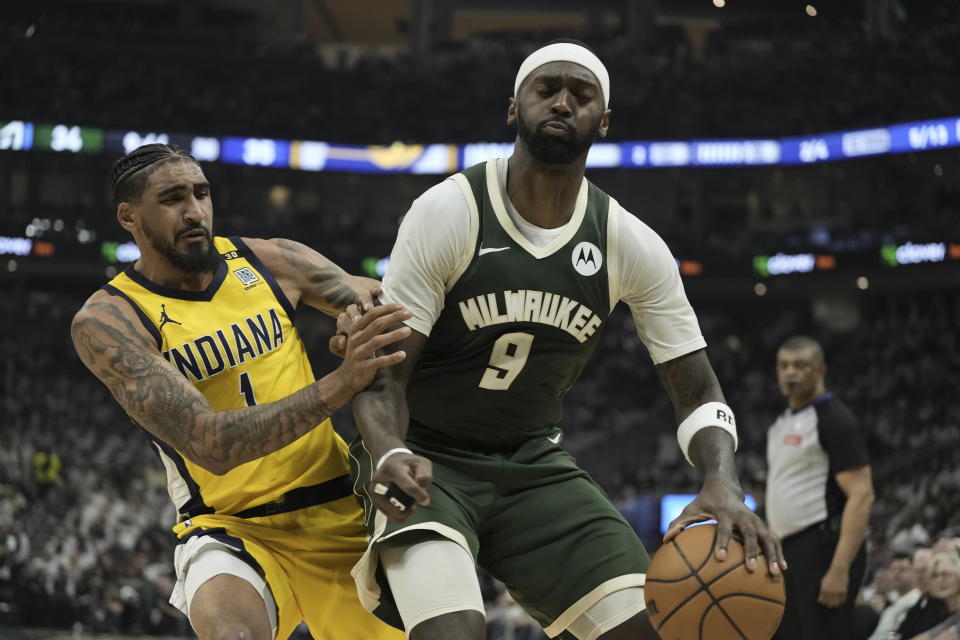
[
  {"x": 753, "y": 77},
  {"x": 84, "y": 515},
  {"x": 83, "y": 508}
]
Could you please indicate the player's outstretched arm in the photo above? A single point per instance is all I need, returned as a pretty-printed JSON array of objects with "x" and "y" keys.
[
  {"x": 692, "y": 383},
  {"x": 113, "y": 344},
  {"x": 306, "y": 275}
]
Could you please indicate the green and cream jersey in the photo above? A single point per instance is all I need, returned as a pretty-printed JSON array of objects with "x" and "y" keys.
[{"x": 513, "y": 311}]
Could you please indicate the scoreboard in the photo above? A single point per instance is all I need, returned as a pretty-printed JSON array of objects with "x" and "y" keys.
[
  {"x": 17, "y": 135},
  {"x": 312, "y": 155}
]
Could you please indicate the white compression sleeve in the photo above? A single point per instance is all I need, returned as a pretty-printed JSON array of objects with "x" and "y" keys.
[
  {"x": 614, "y": 609},
  {"x": 431, "y": 578}
]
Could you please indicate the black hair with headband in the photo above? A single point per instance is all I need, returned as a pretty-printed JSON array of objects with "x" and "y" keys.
[
  {"x": 566, "y": 50},
  {"x": 129, "y": 176}
]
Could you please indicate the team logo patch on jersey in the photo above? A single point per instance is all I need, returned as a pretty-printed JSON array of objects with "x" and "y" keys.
[
  {"x": 246, "y": 275},
  {"x": 164, "y": 318},
  {"x": 587, "y": 258}
]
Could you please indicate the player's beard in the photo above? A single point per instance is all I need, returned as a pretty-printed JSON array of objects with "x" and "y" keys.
[
  {"x": 554, "y": 150},
  {"x": 195, "y": 260}
]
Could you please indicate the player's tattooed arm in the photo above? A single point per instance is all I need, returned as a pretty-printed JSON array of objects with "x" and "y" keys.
[
  {"x": 115, "y": 347},
  {"x": 691, "y": 382},
  {"x": 306, "y": 275},
  {"x": 382, "y": 417},
  {"x": 381, "y": 409}
]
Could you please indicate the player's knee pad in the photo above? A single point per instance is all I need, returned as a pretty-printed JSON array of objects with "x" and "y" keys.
[
  {"x": 611, "y": 611},
  {"x": 210, "y": 561},
  {"x": 431, "y": 578}
]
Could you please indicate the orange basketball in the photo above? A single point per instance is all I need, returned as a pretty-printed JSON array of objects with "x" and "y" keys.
[{"x": 691, "y": 596}]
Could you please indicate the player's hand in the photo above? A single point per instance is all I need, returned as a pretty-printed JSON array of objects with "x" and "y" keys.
[
  {"x": 400, "y": 484},
  {"x": 365, "y": 302},
  {"x": 364, "y": 337},
  {"x": 722, "y": 501},
  {"x": 833, "y": 588}
]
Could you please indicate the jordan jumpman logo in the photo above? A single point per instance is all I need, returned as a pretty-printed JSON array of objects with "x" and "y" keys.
[{"x": 164, "y": 318}]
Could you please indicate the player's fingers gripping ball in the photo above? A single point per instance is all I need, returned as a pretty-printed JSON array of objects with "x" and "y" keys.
[{"x": 692, "y": 596}]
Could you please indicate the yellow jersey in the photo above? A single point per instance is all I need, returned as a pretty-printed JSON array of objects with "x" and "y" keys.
[{"x": 236, "y": 342}]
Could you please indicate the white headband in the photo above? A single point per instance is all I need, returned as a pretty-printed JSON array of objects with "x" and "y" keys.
[{"x": 566, "y": 52}]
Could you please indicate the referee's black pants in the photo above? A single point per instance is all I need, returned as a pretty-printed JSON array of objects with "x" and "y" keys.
[{"x": 808, "y": 554}]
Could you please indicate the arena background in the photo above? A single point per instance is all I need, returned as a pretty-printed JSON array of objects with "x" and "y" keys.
[{"x": 799, "y": 158}]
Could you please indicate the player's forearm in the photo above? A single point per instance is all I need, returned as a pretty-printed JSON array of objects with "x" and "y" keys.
[
  {"x": 381, "y": 414},
  {"x": 711, "y": 451},
  {"x": 853, "y": 528},
  {"x": 691, "y": 382},
  {"x": 380, "y": 410},
  {"x": 233, "y": 437}
]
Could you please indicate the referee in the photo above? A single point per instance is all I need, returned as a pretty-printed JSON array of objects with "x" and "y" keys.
[{"x": 818, "y": 497}]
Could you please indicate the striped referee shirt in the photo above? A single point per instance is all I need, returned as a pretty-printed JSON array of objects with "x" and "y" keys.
[{"x": 806, "y": 449}]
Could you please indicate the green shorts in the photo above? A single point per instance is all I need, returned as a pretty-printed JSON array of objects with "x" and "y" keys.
[{"x": 531, "y": 518}]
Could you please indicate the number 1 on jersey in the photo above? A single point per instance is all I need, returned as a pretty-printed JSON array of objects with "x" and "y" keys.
[
  {"x": 507, "y": 359},
  {"x": 246, "y": 389}
]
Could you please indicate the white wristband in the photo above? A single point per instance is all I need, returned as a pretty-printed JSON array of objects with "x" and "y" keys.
[
  {"x": 711, "y": 414},
  {"x": 384, "y": 457}
]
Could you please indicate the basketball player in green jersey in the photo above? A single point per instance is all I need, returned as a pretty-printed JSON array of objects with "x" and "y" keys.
[{"x": 510, "y": 269}]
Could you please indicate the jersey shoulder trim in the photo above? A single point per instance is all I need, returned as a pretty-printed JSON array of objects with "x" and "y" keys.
[
  {"x": 475, "y": 176},
  {"x": 468, "y": 191},
  {"x": 150, "y": 326},
  {"x": 613, "y": 251},
  {"x": 244, "y": 251}
]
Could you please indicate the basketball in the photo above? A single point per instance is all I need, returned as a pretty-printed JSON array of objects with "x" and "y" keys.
[{"x": 691, "y": 596}]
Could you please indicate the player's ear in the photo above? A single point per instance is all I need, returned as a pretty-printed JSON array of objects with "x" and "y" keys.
[
  {"x": 604, "y": 123},
  {"x": 511, "y": 110},
  {"x": 125, "y": 216}
]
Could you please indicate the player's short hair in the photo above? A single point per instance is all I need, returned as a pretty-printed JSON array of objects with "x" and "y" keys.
[
  {"x": 129, "y": 176},
  {"x": 804, "y": 343}
]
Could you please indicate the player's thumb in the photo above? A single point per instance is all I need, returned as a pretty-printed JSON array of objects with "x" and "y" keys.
[
  {"x": 338, "y": 345},
  {"x": 422, "y": 473}
]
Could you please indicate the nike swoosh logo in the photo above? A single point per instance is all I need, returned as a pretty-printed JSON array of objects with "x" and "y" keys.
[
  {"x": 555, "y": 439},
  {"x": 490, "y": 250}
]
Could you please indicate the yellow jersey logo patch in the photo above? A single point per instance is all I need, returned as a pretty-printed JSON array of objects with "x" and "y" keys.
[{"x": 247, "y": 277}]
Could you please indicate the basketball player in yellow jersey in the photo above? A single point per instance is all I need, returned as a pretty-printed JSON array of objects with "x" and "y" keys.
[{"x": 196, "y": 341}]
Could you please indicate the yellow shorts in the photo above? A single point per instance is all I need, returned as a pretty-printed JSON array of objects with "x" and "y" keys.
[{"x": 305, "y": 557}]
